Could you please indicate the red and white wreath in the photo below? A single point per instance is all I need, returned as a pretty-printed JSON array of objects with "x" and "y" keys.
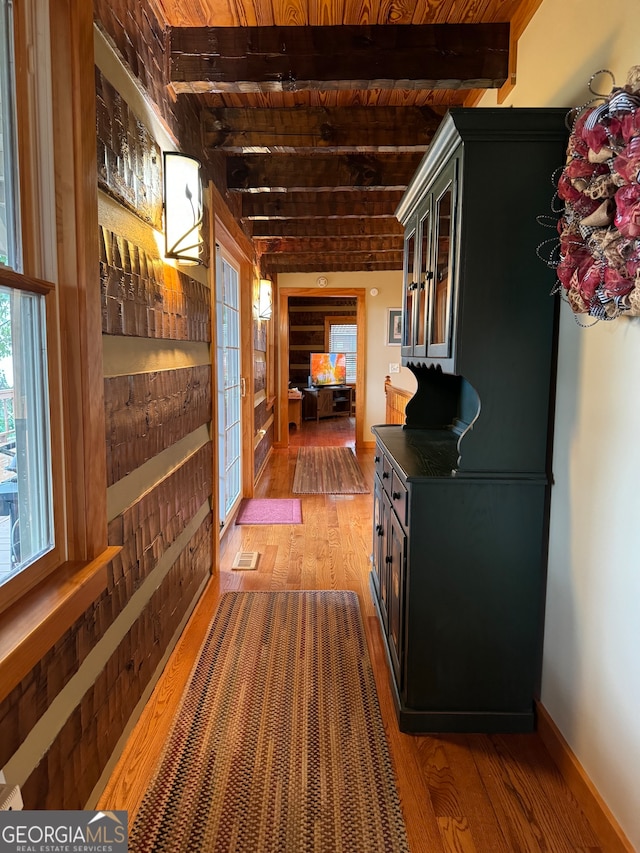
[{"x": 599, "y": 262}]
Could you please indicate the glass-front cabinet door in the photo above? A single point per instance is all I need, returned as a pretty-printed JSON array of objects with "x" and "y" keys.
[
  {"x": 429, "y": 274},
  {"x": 423, "y": 266},
  {"x": 442, "y": 282},
  {"x": 409, "y": 294}
]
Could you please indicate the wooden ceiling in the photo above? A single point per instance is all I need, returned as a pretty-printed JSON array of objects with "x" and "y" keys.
[{"x": 324, "y": 109}]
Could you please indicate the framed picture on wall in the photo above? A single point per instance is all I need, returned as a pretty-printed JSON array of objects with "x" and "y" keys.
[{"x": 394, "y": 327}]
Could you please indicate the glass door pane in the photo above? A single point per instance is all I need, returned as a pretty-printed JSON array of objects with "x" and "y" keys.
[
  {"x": 420, "y": 348},
  {"x": 409, "y": 294},
  {"x": 441, "y": 299},
  {"x": 229, "y": 386}
]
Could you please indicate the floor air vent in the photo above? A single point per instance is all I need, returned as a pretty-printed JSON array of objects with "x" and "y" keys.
[
  {"x": 247, "y": 560},
  {"x": 10, "y": 798}
]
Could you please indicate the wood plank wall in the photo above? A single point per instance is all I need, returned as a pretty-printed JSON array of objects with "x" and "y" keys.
[
  {"x": 158, "y": 386},
  {"x": 141, "y": 41}
]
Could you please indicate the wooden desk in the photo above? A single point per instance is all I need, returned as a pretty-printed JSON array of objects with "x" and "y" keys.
[
  {"x": 295, "y": 411},
  {"x": 328, "y": 402}
]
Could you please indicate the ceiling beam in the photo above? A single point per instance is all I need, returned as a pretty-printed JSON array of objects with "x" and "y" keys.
[
  {"x": 254, "y": 173},
  {"x": 317, "y": 205},
  {"x": 295, "y": 130},
  {"x": 327, "y": 244},
  {"x": 353, "y": 262},
  {"x": 387, "y": 226},
  {"x": 330, "y": 58}
]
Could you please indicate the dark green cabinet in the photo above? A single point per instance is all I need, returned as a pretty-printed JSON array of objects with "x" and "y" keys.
[
  {"x": 459, "y": 586},
  {"x": 463, "y": 487}
]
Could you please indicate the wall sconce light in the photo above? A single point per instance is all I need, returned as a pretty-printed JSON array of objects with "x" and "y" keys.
[
  {"x": 265, "y": 299},
  {"x": 182, "y": 208}
]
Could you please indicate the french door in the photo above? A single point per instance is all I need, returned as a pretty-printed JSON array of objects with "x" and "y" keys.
[{"x": 228, "y": 363}]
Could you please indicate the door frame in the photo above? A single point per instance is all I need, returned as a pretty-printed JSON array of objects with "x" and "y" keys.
[
  {"x": 225, "y": 232},
  {"x": 233, "y": 263},
  {"x": 357, "y": 293}
]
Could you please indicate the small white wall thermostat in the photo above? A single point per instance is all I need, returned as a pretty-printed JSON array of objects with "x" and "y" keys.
[
  {"x": 322, "y": 281},
  {"x": 374, "y": 291}
]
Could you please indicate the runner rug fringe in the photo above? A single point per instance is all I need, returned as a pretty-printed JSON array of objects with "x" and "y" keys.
[
  {"x": 278, "y": 744},
  {"x": 328, "y": 470}
]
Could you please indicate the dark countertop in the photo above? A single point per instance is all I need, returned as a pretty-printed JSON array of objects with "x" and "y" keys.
[{"x": 419, "y": 453}]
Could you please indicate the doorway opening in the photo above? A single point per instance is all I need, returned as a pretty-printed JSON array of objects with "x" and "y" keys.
[{"x": 322, "y": 323}]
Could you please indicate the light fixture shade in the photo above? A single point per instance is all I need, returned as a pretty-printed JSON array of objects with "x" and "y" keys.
[
  {"x": 182, "y": 208},
  {"x": 265, "y": 299}
]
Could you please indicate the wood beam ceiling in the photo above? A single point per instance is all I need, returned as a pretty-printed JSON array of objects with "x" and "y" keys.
[
  {"x": 334, "y": 262},
  {"x": 263, "y": 59},
  {"x": 342, "y": 130},
  {"x": 320, "y": 205},
  {"x": 356, "y": 226},
  {"x": 317, "y": 153},
  {"x": 256, "y": 173}
]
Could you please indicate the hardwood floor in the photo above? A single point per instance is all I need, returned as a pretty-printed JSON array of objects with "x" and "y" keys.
[{"x": 460, "y": 793}]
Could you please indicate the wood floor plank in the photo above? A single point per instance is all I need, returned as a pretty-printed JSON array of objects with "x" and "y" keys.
[
  {"x": 456, "y": 835},
  {"x": 439, "y": 778},
  {"x": 527, "y": 818},
  {"x": 474, "y": 799},
  {"x": 422, "y": 826},
  {"x": 524, "y": 749}
]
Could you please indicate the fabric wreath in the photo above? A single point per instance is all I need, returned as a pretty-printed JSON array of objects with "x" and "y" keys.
[
  {"x": 627, "y": 164},
  {"x": 599, "y": 230},
  {"x": 627, "y": 218}
]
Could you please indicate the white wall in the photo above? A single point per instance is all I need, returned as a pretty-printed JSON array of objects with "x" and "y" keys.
[
  {"x": 591, "y": 674},
  {"x": 378, "y": 355}
]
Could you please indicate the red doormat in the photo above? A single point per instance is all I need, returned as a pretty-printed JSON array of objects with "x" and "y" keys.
[{"x": 270, "y": 511}]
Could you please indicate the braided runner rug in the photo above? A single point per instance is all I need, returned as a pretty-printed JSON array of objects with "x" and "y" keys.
[{"x": 278, "y": 744}]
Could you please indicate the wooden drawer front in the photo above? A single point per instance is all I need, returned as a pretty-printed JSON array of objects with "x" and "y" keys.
[
  {"x": 378, "y": 460},
  {"x": 399, "y": 498},
  {"x": 387, "y": 472}
]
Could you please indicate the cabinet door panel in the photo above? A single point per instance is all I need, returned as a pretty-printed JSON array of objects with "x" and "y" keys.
[
  {"x": 441, "y": 297},
  {"x": 396, "y": 557},
  {"x": 409, "y": 294},
  {"x": 325, "y": 402},
  {"x": 424, "y": 275},
  {"x": 380, "y": 565}
]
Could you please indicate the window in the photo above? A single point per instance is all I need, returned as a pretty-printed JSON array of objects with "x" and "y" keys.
[
  {"x": 341, "y": 335},
  {"x": 31, "y": 522},
  {"x": 8, "y": 207},
  {"x": 26, "y": 501},
  {"x": 26, "y": 505},
  {"x": 48, "y": 228}
]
